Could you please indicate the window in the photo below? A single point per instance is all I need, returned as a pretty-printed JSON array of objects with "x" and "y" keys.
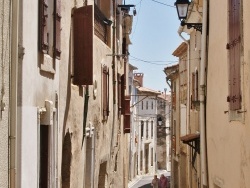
[
  {"x": 233, "y": 47},
  {"x": 152, "y": 105},
  {"x": 142, "y": 105},
  {"x": 50, "y": 27},
  {"x": 142, "y": 129},
  {"x": 146, "y": 105},
  {"x": 105, "y": 98},
  {"x": 152, "y": 129},
  {"x": 152, "y": 156},
  {"x": 102, "y": 23}
]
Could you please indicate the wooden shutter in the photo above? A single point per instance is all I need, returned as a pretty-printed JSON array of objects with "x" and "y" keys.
[
  {"x": 124, "y": 46},
  {"x": 127, "y": 115},
  {"x": 196, "y": 86},
  {"x": 233, "y": 46},
  {"x": 57, "y": 29},
  {"x": 105, "y": 78},
  {"x": 123, "y": 94},
  {"x": 119, "y": 93},
  {"x": 83, "y": 46},
  {"x": 43, "y": 27}
]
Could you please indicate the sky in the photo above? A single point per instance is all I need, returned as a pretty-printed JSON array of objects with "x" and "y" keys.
[{"x": 154, "y": 38}]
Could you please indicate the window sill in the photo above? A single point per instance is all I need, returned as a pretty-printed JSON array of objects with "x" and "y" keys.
[{"x": 47, "y": 64}]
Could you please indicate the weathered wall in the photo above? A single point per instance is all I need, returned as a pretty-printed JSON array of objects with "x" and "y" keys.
[
  {"x": 110, "y": 146},
  {"x": 34, "y": 87},
  {"x": 227, "y": 141},
  {"x": 5, "y": 23}
]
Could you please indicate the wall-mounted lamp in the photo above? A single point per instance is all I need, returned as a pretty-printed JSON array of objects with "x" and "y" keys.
[
  {"x": 159, "y": 120},
  {"x": 107, "y": 22},
  {"x": 182, "y": 10}
]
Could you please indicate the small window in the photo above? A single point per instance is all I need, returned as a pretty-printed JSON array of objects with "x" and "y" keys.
[
  {"x": 152, "y": 129},
  {"x": 50, "y": 27},
  {"x": 146, "y": 105},
  {"x": 142, "y": 105},
  {"x": 152, "y": 105},
  {"x": 142, "y": 128}
]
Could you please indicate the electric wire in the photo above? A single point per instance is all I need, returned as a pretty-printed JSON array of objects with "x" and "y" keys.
[
  {"x": 163, "y": 3},
  {"x": 154, "y": 62}
]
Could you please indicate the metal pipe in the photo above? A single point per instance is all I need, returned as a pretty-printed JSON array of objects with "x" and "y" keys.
[
  {"x": 13, "y": 92},
  {"x": 92, "y": 157},
  {"x": 188, "y": 93},
  {"x": 203, "y": 152}
]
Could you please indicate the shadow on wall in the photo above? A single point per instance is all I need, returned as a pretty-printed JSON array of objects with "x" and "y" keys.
[{"x": 66, "y": 161}]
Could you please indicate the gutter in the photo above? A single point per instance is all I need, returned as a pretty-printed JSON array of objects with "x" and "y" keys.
[
  {"x": 13, "y": 94},
  {"x": 188, "y": 91},
  {"x": 203, "y": 144}
]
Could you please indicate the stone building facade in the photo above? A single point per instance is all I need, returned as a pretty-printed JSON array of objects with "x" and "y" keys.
[{"x": 71, "y": 127}]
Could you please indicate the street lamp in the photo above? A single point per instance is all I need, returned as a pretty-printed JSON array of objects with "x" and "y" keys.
[{"x": 182, "y": 10}]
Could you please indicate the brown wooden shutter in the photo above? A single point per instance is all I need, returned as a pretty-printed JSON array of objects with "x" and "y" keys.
[
  {"x": 105, "y": 78},
  {"x": 43, "y": 27},
  {"x": 193, "y": 90},
  {"x": 123, "y": 94},
  {"x": 124, "y": 46},
  {"x": 174, "y": 100},
  {"x": 119, "y": 93},
  {"x": 127, "y": 115},
  {"x": 233, "y": 46},
  {"x": 196, "y": 86},
  {"x": 57, "y": 29},
  {"x": 83, "y": 46}
]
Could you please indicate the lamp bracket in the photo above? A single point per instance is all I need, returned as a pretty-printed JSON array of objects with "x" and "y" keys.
[{"x": 197, "y": 26}]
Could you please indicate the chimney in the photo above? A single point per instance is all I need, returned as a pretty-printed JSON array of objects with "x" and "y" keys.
[{"x": 139, "y": 77}]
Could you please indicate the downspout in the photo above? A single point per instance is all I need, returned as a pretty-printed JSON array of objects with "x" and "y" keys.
[
  {"x": 188, "y": 94},
  {"x": 92, "y": 156},
  {"x": 85, "y": 112},
  {"x": 113, "y": 74},
  {"x": 13, "y": 93},
  {"x": 203, "y": 148}
]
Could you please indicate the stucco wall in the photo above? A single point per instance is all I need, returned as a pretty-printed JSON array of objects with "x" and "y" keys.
[
  {"x": 110, "y": 158},
  {"x": 5, "y": 19},
  {"x": 228, "y": 141}
]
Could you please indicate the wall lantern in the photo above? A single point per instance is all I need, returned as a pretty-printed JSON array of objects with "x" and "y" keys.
[
  {"x": 182, "y": 10},
  {"x": 159, "y": 119}
]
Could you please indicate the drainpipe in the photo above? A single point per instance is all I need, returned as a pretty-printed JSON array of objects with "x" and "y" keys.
[
  {"x": 13, "y": 92},
  {"x": 92, "y": 155},
  {"x": 188, "y": 93},
  {"x": 203, "y": 152},
  {"x": 113, "y": 74}
]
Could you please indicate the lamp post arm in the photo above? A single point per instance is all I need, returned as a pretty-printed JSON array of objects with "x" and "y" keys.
[{"x": 197, "y": 26}]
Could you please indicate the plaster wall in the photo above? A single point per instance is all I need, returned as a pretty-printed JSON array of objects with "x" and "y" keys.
[
  {"x": 34, "y": 87},
  {"x": 110, "y": 146},
  {"x": 227, "y": 141},
  {"x": 5, "y": 20}
]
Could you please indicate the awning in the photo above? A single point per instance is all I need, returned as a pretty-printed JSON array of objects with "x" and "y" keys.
[
  {"x": 190, "y": 137},
  {"x": 193, "y": 140}
]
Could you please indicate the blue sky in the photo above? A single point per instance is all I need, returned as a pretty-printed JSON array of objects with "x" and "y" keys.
[{"x": 154, "y": 38}]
